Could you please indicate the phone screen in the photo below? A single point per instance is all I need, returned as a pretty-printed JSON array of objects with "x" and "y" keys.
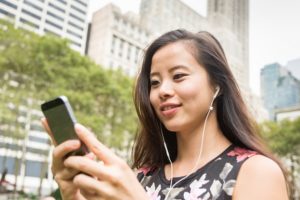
[{"x": 61, "y": 120}]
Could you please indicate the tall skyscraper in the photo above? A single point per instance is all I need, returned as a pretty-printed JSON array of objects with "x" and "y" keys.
[
  {"x": 63, "y": 18},
  {"x": 279, "y": 88}
]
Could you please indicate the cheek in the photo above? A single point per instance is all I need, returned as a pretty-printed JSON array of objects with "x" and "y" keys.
[
  {"x": 153, "y": 99},
  {"x": 189, "y": 92}
]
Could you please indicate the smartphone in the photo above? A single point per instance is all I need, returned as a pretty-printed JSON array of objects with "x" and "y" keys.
[{"x": 61, "y": 121}]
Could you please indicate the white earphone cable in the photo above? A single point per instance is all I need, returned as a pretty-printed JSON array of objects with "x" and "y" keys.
[{"x": 199, "y": 156}]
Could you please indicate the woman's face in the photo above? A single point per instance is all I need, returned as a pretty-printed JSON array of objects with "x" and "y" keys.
[{"x": 180, "y": 88}]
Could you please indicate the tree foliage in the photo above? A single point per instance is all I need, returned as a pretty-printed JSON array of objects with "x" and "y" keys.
[
  {"x": 47, "y": 67},
  {"x": 283, "y": 137}
]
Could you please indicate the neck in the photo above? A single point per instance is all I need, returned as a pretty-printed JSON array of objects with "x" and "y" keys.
[{"x": 189, "y": 146}]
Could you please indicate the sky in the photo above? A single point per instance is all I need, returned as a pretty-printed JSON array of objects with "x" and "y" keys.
[{"x": 274, "y": 30}]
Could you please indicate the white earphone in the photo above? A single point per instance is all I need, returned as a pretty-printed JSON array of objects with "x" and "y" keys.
[
  {"x": 215, "y": 96},
  {"x": 217, "y": 92}
]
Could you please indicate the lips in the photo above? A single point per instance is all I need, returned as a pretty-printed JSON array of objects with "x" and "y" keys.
[{"x": 169, "y": 109}]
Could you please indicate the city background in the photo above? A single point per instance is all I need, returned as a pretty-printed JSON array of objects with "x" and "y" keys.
[{"x": 91, "y": 52}]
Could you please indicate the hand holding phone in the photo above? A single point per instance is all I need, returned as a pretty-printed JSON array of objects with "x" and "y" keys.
[{"x": 61, "y": 121}]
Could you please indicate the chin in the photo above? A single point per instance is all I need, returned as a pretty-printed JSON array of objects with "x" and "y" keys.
[{"x": 172, "y": 127}]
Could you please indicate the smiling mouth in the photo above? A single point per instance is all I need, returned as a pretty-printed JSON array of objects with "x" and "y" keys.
[
  {"x": 169, "y": 111},
  {"x": 168, "y": 108}
]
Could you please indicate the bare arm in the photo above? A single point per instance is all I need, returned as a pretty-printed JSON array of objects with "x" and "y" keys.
[{"x": 260, "y": 178}]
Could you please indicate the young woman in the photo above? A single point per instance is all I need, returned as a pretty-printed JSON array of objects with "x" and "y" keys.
[{"x": 195, "y": 139}]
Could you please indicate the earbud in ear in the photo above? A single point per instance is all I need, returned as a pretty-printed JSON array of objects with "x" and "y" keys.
[{"x": 217, "y": 92}]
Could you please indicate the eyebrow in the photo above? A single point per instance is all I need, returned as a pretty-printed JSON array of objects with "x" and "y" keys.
[{"x": 171, "y": 69}]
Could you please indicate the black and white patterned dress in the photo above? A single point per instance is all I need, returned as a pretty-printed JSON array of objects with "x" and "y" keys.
[{"x": 214, "y": 181}]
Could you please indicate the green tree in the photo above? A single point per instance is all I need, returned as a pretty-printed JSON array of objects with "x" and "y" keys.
[
  {"x": 45, "y": 67},
  {"x": 284, "y": 139},
  {"x": 102, "y": 99}
]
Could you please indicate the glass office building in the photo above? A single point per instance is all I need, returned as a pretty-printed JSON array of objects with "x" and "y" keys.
[{"x": 279, "y": 88}]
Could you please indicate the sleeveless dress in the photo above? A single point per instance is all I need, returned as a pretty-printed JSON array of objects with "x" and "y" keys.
[{"x": 213, "y": 181}]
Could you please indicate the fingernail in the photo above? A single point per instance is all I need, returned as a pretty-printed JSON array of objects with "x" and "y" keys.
[{"x": 79, "y": 127}]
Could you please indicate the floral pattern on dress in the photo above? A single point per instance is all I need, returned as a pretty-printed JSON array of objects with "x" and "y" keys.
[
  {"x": 214, "y": 181},
  {"x": 241, "y": 153},
  {"x": 197, "y": 189},
  {"x": 153, "y": 192}
]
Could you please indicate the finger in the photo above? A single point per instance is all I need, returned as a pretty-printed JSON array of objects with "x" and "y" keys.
[
  {"x": 65, "y": 148},
  {"x": 101, "y": 151},
  {"x": 89, "y": 166},
  {"x": 47, "y": 128},
  {"x": 95, "y": 187},
  {"x": 90, "y": 155},
  {"x": 89, "y": 195},
  {"x": 67, "y": 174}
]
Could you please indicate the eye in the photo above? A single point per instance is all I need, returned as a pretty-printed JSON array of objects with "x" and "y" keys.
[
  {"x": 154, "y": 83},
  {"x": 179, "y": 76}
]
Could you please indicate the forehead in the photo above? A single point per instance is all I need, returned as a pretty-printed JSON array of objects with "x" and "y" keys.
[
  {"x": 172, "y": 49},
  {"x": 174, "y": 54}
]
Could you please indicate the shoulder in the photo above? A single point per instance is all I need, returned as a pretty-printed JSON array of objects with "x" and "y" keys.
[{"x": 260, "y": 178}]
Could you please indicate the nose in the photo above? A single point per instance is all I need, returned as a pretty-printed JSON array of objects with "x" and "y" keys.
[{"x": 166, "y": 90}]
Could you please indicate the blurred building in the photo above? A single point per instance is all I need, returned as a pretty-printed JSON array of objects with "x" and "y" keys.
[
  {"x": 160, "y": 16},
  {"x": 279, "y": 88},
  {"x": 294, "y": 67},
  {"x": 229, "y": 22},
  {"x": 25, "y": 148},
  {"x": 289, "y": 113},
  {"x": 63, "y": 18},
  {"x": 116, "y": 40},
  {"x": 255, "y": 105}
]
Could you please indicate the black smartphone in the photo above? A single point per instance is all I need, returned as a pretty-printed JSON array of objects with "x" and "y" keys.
[{"x": 61, "y": 121}]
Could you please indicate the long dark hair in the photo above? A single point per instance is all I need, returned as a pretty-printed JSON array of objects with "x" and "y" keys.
[{"x": 232, "y": 115}]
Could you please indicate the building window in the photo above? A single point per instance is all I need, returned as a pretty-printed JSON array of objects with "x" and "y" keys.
[
  {"x": 121, "y": 47},
  {"x": 50, "y": 32},
  {"x": 9, "y": 163},
  {"x": 113, "y": 43},
  {"x": 31, "y": 14},
  {"x": 33, "y": 5},
  {"x": 55, "y": 16},
  {"x": 54, "y": 24},
  {"x": 75, "y": 17},
  {"x": 4, "y": 12},
  {"x": 82, "y": 3},
  {"x": 75, "y": 25},
  {"x": 24, "y": 21},
  {"x": 129, "y": 51},
  {"x": 33, "y": 168},
  {"x": 56, "y": 8},
  {"x": 79, "y": 10},
  {"x": 136, "y": 54},
  {"x": 75, "y": 43},
  {"x": 74, "y": 34},
  {"x": 62, "y": 1},
  {"x": 8, "y": 4}
]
